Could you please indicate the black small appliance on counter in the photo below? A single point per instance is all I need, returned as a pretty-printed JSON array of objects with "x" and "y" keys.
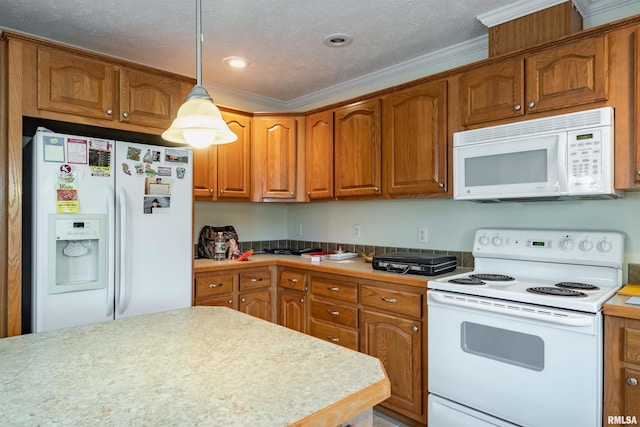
[{"x": 415, "y": 263}]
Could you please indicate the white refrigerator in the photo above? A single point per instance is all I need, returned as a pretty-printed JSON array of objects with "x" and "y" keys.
[{"x": 111, "y": 229}]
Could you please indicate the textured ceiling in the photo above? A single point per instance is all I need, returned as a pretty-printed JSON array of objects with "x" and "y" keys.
[{"x": 282, "y": 38}]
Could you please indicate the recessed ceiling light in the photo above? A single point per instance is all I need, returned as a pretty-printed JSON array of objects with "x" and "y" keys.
[
  {"x": 337, "y": 40},
  {"x": 236, "y": 62}
]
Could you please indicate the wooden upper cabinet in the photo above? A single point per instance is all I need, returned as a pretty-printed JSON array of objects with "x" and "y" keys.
[
  {"x": 234, "y": 160},
  {"x": 493, "y": 91},
  {"x": 414, "y": 141},
  {"x": 319, "y": 155},
  {"x": 81, "y": 88},
  {"x": 223, "y": 172},
  {"x": 148, "y": 99},
  {"x": 357, "y": 149},
  {"x": 573, "y": 74},
  {"x": 73, "y": 84},
  {"x": 276, "y": 162}
]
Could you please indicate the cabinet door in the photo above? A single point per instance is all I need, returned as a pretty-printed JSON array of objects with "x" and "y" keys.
[
  {"x": 149, "y": 99},
  {"x": 572, "y": 74},
  {"x": 632, "y": 392},
  {"x": 357, "y": 150},
  {"x": 397, "y": 342},
  {"x": 292, "y": 310},
  {"x": 76, "y": 85},
  {"x": 257, "y": 304},
  {"x": 234, "y": 160},
  {"x": 414, "y": 143},
  {"x": 319, "y": 155},
  {"x": 204, "y": 173},
  {"x": 276, "y": 143},
  {"x": 492, "y": 92}
]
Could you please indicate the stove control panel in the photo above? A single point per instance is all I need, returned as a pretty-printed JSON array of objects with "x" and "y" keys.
[{"x": 604, "y": 248}]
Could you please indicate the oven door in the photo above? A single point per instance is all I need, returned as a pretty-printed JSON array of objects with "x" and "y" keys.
[
  {"x": 513, "y": 168},
  {"x": 529, "y": 365}
]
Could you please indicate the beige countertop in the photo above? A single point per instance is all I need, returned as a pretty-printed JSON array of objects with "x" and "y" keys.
[
  {"x": 209, "y": 366},
  {"x": 616, "y": 306},
  {"x": 355, "y": 267}
]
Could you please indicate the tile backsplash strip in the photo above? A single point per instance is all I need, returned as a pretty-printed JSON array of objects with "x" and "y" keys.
[
  {"x": 464, "y": 259},
  {"x": 633, "y": 273}
]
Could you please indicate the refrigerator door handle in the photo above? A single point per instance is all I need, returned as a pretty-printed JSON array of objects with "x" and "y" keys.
[
  {"x": 111, "y": 264},
  {"x": 120, "y": 301}
]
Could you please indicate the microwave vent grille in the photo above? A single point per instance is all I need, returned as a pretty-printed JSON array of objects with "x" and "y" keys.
[{"x": 565, "y": 122}]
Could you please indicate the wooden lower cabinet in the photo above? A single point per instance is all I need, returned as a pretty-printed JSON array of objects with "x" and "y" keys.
[
  {"x": 398, "y": 343},
  {"x": 246, "y": 290},
  {"x": 621, "y": 371},
  {"x": 292, "y": 300}
]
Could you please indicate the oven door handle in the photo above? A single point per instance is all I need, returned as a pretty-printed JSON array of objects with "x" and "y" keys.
[{"x": 510, "y": 310}]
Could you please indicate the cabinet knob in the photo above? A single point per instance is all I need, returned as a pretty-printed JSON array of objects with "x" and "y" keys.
[
  {"x": 256, "y": 279},
  {"x": 109, "y": 111},
  {"x": 221, "y": 191},
  {"x": 211, "y": 190},
  {"x": 632, "y": 381},
  {"x": 214, "y": 285},
  {"x": 230, "y": 302},
  {"x": 292, "y": 194},
  {"x": 414, "y": 329},
  {"x": 376, "y": 189},
  {"x": 293, "y": 280},
  {"x": 517, "y": 107},
  {"x": 308, "y": 193},
  {"x": 333, "y": 313},
  {"x": 391, "y": 300},
  {"x": 333, "y": 288},
  {"x": 531, "y": 104},
  {"x": 125, "y": 115},
  {"x": 243, "y": 300},
  {"x": 441, "y": 184},
  {"x": 333, "y": 339},
  {"x": 301, "y": 300}
]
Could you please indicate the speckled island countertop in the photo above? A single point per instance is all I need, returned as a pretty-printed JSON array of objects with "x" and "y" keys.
[{"x": 198, "y": 366}]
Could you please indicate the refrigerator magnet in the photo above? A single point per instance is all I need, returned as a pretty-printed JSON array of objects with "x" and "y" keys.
[
  {"x": 164, "y": 171},
  {"x": 66, "y": 191},
  {"x": 77, "y": 151},
  {"x": 175, "y": 155},
  {"x": 100, "y": 157},
  {"x": 133, "y": 154},
  {"x": 180, "y": 171},
  {"x": 53, "y": 148},
  {"x": 125, "y": 168}
]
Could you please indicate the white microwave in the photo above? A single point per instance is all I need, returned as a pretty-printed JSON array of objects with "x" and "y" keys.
[{"x": 553, "y": 158}]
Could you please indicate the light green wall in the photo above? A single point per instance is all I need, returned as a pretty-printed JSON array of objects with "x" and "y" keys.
[{"x": 450, "y": 224}]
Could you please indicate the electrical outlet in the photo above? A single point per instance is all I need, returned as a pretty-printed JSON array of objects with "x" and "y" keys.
[
  {"x": 356, "y": 231},
  {"x": 298, "y": 229},
  {"x": 422, "y": 234}
]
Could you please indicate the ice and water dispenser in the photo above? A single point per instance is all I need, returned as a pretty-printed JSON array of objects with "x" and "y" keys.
[{"x": 77, "y": 252}]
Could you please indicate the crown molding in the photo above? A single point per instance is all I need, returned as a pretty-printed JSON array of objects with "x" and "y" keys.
[
  {"x": 589, "y": 8},
  {"x": 514, "y": 11}
]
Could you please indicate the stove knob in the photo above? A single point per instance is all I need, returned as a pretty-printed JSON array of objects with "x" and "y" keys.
[
  {"x": 497, "y": 241},
  {"x": 567, "y": 244},
  {"x": 586, "y": 245},
  {"x": 604, "y": 246},
  {"x": 483, "y": 240}
]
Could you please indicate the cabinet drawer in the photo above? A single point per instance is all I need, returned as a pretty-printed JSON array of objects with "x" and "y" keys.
[
  {"x": 293, "y": 280},
  {"x": 335, "y": 289},
  {"x": 345, "y": 337},
  {"x": 346, "y": 316},
  {"x": 214, "y": 285},
  {"x": 407, "y": 303},
  {"x": 255, "y": 280},
  {"x": 632, "y": 345},
  {"x": 223, "y": 301}
]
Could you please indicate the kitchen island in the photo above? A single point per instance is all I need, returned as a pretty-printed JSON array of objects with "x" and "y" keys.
[{"x": 209, "y": 366}]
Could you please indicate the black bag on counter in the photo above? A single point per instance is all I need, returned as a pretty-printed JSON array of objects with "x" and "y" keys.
[{"x": 206, "y": 244}]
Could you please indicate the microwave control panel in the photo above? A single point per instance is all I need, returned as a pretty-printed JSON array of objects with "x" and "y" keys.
[{"x": 585, "y": 160}]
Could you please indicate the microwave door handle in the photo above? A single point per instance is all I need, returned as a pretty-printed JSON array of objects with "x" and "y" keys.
[
  {"x": 509, "y": 310},
  {"x": 563, "y": 166}
]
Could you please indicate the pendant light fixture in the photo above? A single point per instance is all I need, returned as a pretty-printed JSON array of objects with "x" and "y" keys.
[{"x": 199, "y": 122}]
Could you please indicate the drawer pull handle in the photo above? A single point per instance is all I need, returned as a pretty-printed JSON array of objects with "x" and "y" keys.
[
  {"x": 214, "y": 285},
  {"x": 333, "y": 339},
  {"x": 293, "y": 280},
  {"x": 632, "y": 381},
  {"x": 391, "y": 300},
  {"x": 256, "y": 279},
  {"x": 333, "y": 288},
  {"x": 333, "y": 313}
]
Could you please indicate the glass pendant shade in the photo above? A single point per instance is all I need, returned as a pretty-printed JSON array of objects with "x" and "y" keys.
[{"x": 199, "y": 122}]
